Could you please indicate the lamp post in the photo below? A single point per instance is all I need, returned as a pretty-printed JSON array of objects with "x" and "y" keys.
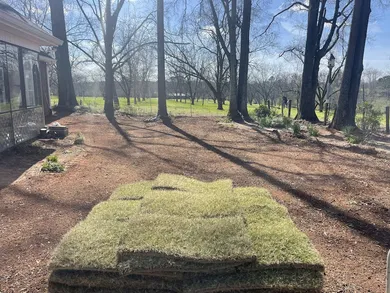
[{"x": 331, "y": 63}]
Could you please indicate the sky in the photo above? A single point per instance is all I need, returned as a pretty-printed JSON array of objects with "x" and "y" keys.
[{"x": 377, "y": 52}]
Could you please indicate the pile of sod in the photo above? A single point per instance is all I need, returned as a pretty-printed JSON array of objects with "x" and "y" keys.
[{"x": 177, "y": 234}]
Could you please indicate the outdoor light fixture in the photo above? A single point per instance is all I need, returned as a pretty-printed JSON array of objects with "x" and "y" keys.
[
  {"x": 331, "y": 61},
  {"x": 331, "y": 64}
]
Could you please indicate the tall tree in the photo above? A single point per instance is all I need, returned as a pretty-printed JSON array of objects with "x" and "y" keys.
[
  {"x": 230, "y": 12},
  {"x": 66, "y": 94},
  {"x": 162, "y": 94},
  {"x": 242, "y": 91},
  {"x": 317, "y": 46},
  {"x": 346, "y": 108},
  {"x": 99, "y": 44}
]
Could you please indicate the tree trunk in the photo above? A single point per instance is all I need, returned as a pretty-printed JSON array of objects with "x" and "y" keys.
[
  {"x": 242, "y": 91},
  {"x": 66, "y": 94},
  {"x": 162, "y": 98},
  {"x": 219, "y": 100},
  {"x": 349, "y": 91},
  {"x": 310, "y": 66},
  {"x": 233, "y": 106},
  {"x": 128, "y": 100}
]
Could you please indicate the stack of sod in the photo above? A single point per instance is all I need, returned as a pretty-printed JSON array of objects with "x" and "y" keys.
[{"x": 177, "y": 234}]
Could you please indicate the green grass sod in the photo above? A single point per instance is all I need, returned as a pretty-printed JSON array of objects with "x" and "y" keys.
[
  {"x": 176, "y": 225},
  {"x": 134, "y": 191}
]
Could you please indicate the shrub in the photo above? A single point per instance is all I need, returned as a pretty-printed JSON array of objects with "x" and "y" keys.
[
  {"x": 296, "y": 129},
  {"x": 79, "y": 140},
  {"x": 52, "y": 158},
  {"x": 353, "y": 134},
  {"x": 348, "y": 130},
  {"x": 262, "y": 111},
  {"x": 312, "y": 130},
  {"x": 52, "y": 165},
  {"x": 265, "y": 122},
  {"x": 287, "y": 122},
  {"x": 355, "y": 139},
  {"x": 369, "y": 120}
]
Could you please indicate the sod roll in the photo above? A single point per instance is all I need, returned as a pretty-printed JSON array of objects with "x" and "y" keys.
[{"x": 178, "y": 234}]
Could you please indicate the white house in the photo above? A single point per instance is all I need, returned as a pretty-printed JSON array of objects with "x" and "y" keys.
[{"x": 24, "y": 86}]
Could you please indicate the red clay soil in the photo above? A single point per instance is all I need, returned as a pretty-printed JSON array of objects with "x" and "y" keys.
[{"x": 337, "y": 195}]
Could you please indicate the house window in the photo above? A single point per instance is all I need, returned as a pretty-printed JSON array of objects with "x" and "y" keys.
[
  {"x": 14, "y": 80},
  {"x": 31, "y": 78},
  {"x": 4, "y": 104}
]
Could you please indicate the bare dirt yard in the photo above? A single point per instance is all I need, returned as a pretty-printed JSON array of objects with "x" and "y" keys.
[{"x": 337, "y": 194}]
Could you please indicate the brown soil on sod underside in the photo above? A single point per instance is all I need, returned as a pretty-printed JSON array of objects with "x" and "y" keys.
[{"x": 339, "y": 196}]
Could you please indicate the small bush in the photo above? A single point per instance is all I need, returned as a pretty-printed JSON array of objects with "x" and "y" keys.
[
  {"x": 52, "y": 165},
  {"x": 355, "y": 139},
  {"x": 348, "y": 130},
  {"x": 296, "y": 129},
  {"x": 369, "y": 121},
  {"x": 265, "y": 122},
  {"x": 52, "y": 158},
  {"x": 312, "y": 131},
  {"x": 262, "y": 111},
  {"x": 287, "y": 122},
  {"x": 79, "y": 140}
]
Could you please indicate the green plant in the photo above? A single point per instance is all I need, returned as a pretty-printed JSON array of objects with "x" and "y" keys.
[
  {"x": 348, "y": 130},
  {"x": 355, "y": 139},
  {"x": 369, "y": 120},
  {"x": 52, "y": 165},
  {"x": 265, "y": 122},
  {"x": 79, "y": 140},
  {"x": 52, "y": 158},
  {"x": 296, "y": 129},
  {"x": 313, "y": 131},
  {"x": 262, "y": 111},
  {"x": 287, "y": 122}
]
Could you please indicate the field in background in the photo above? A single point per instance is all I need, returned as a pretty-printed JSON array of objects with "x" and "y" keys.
[
  {"x": 149, "y": 107},
  {"x": 208, "y": 108}
]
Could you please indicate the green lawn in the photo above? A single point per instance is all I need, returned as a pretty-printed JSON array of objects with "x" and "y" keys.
[{"x": 208, "y": 108}]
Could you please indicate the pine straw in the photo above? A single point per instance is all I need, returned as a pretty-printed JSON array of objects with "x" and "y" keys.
[{"x": 177, "y": 225}]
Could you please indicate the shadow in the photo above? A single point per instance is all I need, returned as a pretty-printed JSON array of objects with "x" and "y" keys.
[
  {"x": 57, "y": 115},
  {"x": 120, "y": 130},
  {"x": 15, "y": 161},
  {"x": 378, "y": 234}
]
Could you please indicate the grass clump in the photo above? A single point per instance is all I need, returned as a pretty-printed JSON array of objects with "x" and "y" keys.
[
  {"x": 265, "y": 121},
  {"x": 52, "y": 165},
  {"x": 353, "y": 135},
  {"x": 313, "y": 131},
  {"x": 296, "y": 128},
  {"x": 176, "y": 226},
  {"x": 79, "y": 140}
]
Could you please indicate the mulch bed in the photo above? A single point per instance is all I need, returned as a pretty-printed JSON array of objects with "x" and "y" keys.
[{"x": 338, "y": 196}]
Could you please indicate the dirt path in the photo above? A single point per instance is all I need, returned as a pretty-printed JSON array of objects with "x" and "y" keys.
[{"x": 339, "y": 197}]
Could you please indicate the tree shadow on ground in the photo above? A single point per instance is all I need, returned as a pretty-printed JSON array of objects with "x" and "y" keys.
[
  {"x": 14, "y": 162},
  {"x": 120, "y": 130},
  {"x": 367, "y": 229}
]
